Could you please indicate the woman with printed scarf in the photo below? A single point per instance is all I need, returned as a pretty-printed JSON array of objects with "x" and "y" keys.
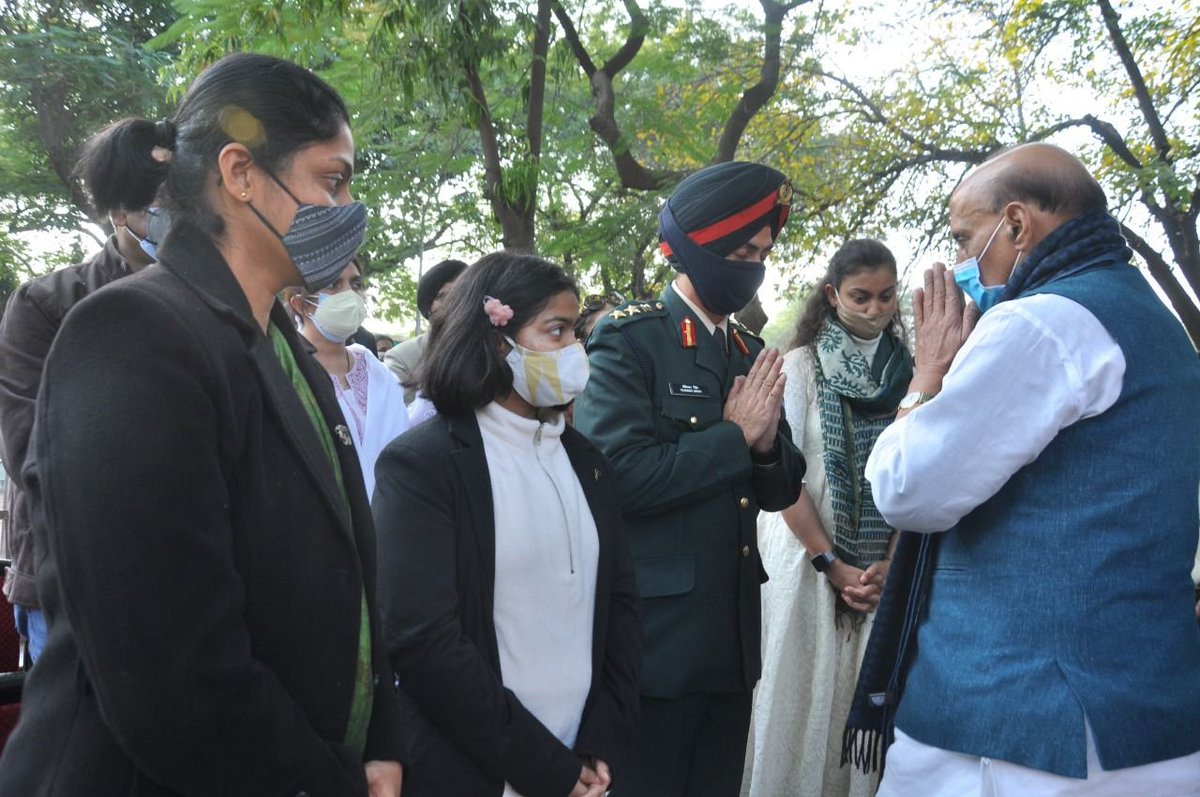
[
  {"x": 828, "y": 554},
  {"x": 206, "y": 551},
  {"x": 372, "y": 401},
  {"x": 507, "y": 586}
]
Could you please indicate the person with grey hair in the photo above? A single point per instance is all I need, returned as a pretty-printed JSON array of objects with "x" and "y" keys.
[{"x": 1036, "y": 636}]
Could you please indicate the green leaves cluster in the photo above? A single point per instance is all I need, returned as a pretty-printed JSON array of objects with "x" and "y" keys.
[
  {"x": 461, "y": 139},
  {"x": 67, "y": 68},
  {"x": 1112, "y": 80}
]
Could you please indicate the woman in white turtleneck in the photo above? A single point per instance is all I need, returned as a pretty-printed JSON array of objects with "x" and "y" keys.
[{"x": 506, "y": 586}]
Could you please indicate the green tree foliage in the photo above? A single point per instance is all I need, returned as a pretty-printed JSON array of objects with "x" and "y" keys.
[
  {"x": 561, "y": 124},
  {"x": 67, "y": 69},
  {"x": 499, "y": 108},
  {"x": 998, "y": 73}
]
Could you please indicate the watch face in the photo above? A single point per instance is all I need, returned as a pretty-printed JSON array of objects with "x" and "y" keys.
[
  {"x": 822, "y": 561},
  {"x": 912, "y": 400}
]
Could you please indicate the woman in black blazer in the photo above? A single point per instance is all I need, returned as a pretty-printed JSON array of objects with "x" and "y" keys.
[
  {"x": 206, "y": 552},
  {"x": 506, "y": 585}
]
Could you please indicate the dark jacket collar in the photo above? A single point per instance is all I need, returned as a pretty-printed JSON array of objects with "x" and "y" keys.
[
  {"x": 193, "y": 257},
  {"x": 110, "y": 262}
]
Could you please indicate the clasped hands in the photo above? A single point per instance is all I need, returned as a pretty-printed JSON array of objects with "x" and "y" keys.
[
  {"x": 595, "y": 780},
  {"x": 859, "y": 589},
  {"x": 943, "y": 319},
  {"x": 755, "y": 400}
]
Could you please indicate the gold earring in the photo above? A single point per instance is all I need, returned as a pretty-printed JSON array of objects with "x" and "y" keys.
[{"x": 243, "y": 195}]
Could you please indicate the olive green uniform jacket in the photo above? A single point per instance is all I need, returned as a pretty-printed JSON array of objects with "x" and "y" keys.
[{"x": 690, "y": 491}]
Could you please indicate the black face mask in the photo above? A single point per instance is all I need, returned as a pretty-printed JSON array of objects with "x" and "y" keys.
[
  {"x": 322, "y": 238},
  {"x": 724, "y": 286}
]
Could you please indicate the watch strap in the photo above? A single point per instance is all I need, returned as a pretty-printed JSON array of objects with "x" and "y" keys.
[
  {"x": 822, "y": 561},
  {"x": 915, "y": 399}
]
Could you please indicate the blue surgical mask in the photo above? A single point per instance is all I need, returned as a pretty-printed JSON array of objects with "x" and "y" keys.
[
  {"x": 157, "y": 223},
  {"x": 966, "y": 274}
]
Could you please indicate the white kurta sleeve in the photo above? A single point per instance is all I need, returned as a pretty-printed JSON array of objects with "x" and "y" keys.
[
  {"x": 798, "y": 368},
  {"x": 1032, "y": 367}
]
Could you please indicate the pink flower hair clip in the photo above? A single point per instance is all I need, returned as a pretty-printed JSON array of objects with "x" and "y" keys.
[{"x": 497, "y": 311}]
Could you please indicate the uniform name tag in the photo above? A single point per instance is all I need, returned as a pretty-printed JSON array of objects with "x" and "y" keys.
[{"x": 687, "y": 390}]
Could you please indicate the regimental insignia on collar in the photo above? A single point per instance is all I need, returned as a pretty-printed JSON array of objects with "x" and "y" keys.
[
  {"x": 737, "y": 341},
  {"x": 785, "y": 194},
  {"x": 687, "y": 328},
  {"x": 343, "y": 434}
]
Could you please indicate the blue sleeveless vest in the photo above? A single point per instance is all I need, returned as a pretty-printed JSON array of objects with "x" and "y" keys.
[{"x": 1068, "y": 594}]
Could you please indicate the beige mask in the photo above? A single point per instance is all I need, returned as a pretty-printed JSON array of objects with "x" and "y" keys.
[{"x": 863, "y": 325}]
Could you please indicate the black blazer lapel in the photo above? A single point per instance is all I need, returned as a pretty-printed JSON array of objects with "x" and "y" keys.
[
  {"x": 202, "y": 268},
  {"x": 592, "y": 471},
  {"x": 293, "y": 419},
  {"x": 471, "y": 462}
]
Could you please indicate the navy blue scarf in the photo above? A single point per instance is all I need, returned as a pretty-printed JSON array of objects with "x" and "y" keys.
[{"x": 1081, "y": 244}]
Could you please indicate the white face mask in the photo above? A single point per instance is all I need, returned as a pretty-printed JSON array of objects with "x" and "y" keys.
[
  {"x": 339, "y": 315},
  {"x": 864, "y": 325},
  {"x": 548, "y": 378}
]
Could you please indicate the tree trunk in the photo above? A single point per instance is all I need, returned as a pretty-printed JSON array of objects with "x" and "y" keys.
[{"x": 518, "y": 235}]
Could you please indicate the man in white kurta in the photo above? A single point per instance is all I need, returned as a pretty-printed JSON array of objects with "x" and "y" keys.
[{"x": 983, "y": 412}]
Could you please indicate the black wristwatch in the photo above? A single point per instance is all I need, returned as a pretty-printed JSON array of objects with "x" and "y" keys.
[{"x": 823, "y": 561}]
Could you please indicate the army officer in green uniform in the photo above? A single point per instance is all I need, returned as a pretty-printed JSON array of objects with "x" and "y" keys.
[{"x": 686, "y": 404}]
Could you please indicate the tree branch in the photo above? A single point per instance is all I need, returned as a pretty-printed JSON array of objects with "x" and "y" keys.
[
  {"x": 99, "y": 241},
  {"x": 875, "y": 113},
  {"x": 493, "y": 171},
  {"x": 755, "y": 97},
  {"x": 894, "y": 170},
  {"x": 537, "y": 80},
  {"x": 1188, "y": 312},
  {"x": 1112, "y": 21},
  {"x": 573, "y": 40},
  {"x": 604, "y": 120},
  {"x": 633, "y": 43},
  {"x": 398, "y": 257},
  {"x": 1103, "y": 130}
]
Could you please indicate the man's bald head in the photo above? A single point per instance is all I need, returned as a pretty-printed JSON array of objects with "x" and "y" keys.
[
  {"x": 1005, "y": 208},
  {"x": 1042, "y": 175}
]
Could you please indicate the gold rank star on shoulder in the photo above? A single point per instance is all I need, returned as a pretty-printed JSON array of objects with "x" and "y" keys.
[{"x": 637, "y": 309}]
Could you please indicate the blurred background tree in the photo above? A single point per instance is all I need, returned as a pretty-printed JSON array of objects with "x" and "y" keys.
[
  {"x": 66, "y": 69},
  {"x": 560, "y": 125}
]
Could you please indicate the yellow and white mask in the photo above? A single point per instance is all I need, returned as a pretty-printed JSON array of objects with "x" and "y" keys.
[{"x": 548, "y": 378}]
